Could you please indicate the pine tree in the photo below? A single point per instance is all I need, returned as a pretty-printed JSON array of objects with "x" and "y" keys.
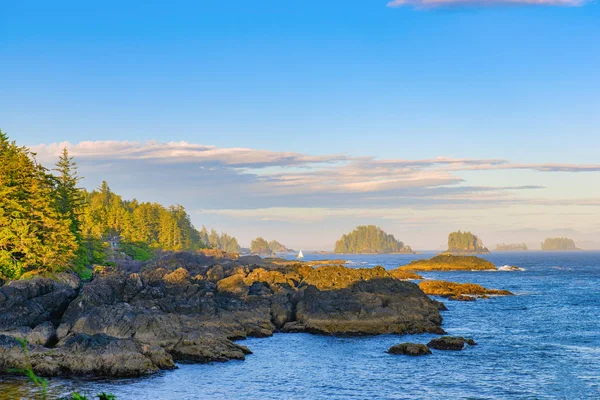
[{"x": 34, "y": 235}]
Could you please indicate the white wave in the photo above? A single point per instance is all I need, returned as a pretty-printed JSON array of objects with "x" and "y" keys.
[{"x": 510, "y": 268}]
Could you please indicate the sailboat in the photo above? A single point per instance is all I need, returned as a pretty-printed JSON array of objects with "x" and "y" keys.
[{"x": 300, "y": 255}]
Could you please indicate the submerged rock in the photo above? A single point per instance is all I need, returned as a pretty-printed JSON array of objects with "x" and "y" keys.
[
  {"x": 450, "y": 343},
  {"x": 462, "y": 297},
  {"x": 410, "y": 349}
]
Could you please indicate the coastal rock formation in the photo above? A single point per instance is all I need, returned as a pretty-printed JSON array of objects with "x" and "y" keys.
[
  {"x": 465, "y": 243},
  {"x": 459, "y": 291},
  {"x": 192, "y": 307},
  {"x": 405, "y": 275},
  {"x": 559, "y": 244},
  {"x": 450, "y": 343},
  {"x": 370, "y": 239},
  {"x": 462, "y": 297},
  {"x": 449, "y": 262},
  {"x": 410, "y": 349},
  {"x": 30, "y": 309},
  {"x": 84, "y": 355}
]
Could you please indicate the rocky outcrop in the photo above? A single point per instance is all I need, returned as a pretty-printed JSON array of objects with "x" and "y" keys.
[
  {"x": 30, "y": 309},
  {"x": 405, "y": 275},
  {"x": 449, "y": 262},
  {"x": 410, "y": 349},
  {"x": 192, "y": 307},
  {"x": 450, "y": 343},
  {"x": 84, "y": 355},
  {"x": 459, "y": 291},
  {"x": 375, "y": 306}
]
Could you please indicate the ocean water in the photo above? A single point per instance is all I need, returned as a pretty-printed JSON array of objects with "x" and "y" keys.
[{"x": 542, "y": 343}]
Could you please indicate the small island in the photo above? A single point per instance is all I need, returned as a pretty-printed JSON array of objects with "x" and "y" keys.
[
  {"x": 261, "y": 247},
  {"x": 370, "y": 240},
  {"x": 449, "y": 262},
  {"x": 465, "y": 243},
  {"x": 559, "y": 244},
  {"x": 512, "y": 247}
]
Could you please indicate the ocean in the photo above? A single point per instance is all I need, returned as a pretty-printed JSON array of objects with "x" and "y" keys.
[{"x": 542, "y": 343}]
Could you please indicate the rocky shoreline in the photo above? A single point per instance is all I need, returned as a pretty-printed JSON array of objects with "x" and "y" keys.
[{"x": 184, "y": 307}]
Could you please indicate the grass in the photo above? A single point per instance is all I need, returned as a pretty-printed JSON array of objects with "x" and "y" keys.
[{"x": 43, "y": 382}]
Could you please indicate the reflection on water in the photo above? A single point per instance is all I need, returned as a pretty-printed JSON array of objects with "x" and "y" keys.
[{"x": 543, "y": 343}]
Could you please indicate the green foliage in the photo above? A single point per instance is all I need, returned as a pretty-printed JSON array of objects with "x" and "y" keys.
[
  {"x": 139, "y": 251},
  {"x": 223, "y": 242},
  {"x": 35, "y": 235},
  {"x": 277, "y": 247},
  {"x": 28, "y": 370},
  {"x": 370, "y": 239},
  {"x": 101, "y": 396},
  {"x": 140, "y": 227},
  {"x": 229, "y": 244},
  {"x": 465, "y": 242},
  {"x": 449, "y": 262},
  {"x": 48, "y": 224},
  {"x": 260, "y": 246},
  {"x": 564, "y": 244}
]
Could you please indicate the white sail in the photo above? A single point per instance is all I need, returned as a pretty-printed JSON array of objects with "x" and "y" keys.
[{"x": 300, "y": 255}]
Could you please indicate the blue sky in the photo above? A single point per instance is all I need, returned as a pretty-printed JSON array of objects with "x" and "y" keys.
[{"x": 518, "y": 83}]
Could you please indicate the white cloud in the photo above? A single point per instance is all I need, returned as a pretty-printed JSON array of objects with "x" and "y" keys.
[
  {"x": 306, "y": 199},
  {"x": 441, "y": 3}
]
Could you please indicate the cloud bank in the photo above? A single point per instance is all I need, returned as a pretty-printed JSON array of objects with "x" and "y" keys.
[{"x": 245, "y": 191}]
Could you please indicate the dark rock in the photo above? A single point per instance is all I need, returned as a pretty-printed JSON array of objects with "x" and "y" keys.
[
  {"x": 462, "y": 297},
  {"x": 44, "y": 334},
  {"x": 29, "y": 303},
  {"x": 375, "y": 306},
  {"x": 191, "y": 307},
  {"x": 410, "y": 349},
  {"x": 450, "y": 343},
  {"x": 84, "y": 355}
]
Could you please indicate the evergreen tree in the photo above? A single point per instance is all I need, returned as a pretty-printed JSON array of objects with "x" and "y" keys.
[
  {"x": 260, "y": 246},
  {"x": 370, "y": 239},
  {"x": 34, "y": 235},
  {"x": 69, "y": 197}
]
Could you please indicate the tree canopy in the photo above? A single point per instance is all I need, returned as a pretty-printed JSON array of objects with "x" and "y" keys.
[
  {"x": 260, "y": 246},
  {"x": 34, "y": 231},
  {"x": 370, "y": 239},
  {"x": 564, "y": 244},
  {"x": 49, "y": 224},
  {"x": 465, "y": 242}
]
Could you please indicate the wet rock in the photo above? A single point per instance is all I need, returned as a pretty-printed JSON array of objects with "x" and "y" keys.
[
  {"x": 84, "y": 355},
  {"x": 404, "y": 275},
  {"x": 462, "y": 297},
  {"x": 376, "y": 306},
  {"x": 410, "y": 349},
  {"x": 192, "y": 307},
  {"x": 459, "y": 291},
  {"x": 450, "y": 343}
]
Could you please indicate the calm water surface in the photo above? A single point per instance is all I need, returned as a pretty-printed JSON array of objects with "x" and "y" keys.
[{"x": 543, "y": 343}]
